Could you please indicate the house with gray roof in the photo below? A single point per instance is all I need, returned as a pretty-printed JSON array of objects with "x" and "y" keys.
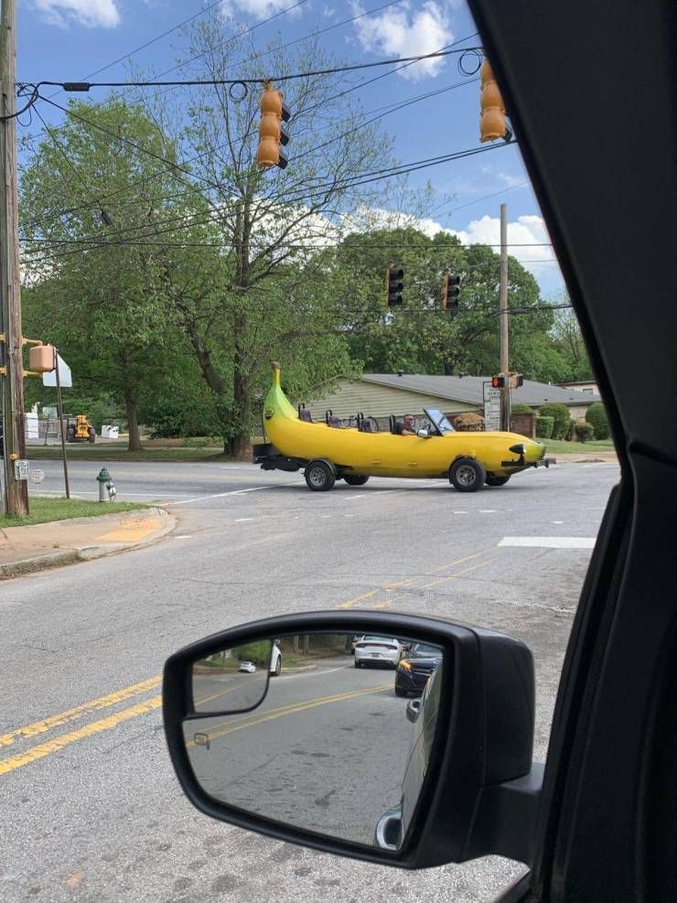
[{"x": 380, "y": 395}]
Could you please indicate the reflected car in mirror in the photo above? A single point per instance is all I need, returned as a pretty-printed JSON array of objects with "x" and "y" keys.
[
  {"x": 414, "y": 669},
  {"x": 374, "y": 651}
]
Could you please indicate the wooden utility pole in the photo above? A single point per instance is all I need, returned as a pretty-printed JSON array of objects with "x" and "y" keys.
[
  {"x": 503, "y": 319},
  {"x": 16, "y": 491}
]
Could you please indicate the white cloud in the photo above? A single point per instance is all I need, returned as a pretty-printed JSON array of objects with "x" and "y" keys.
[
  {"x": 528, "y": 241},
  {"x": 259, "y": 9},
  {"x": 90, "y": 13},
  {"x": 402, "y": 32}
]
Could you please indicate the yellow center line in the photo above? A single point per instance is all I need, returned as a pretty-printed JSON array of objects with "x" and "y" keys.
[
  {"x": 285, "y": 710},
  {"x": 482, "y": 564},
  {"x": 103, "y": 702},
  {"x": 385, "y": 604},
  {"x": 350, "y": 602},
  {"x": 96, "y": 727},
  {"x": 453, "y": 564}
]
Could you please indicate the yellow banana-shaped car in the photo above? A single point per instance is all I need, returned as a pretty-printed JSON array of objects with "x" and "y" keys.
[{"x": 468, "y": 460}]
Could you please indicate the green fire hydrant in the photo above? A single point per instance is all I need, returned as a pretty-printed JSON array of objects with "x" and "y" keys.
[{"x": 107, "y": 490}]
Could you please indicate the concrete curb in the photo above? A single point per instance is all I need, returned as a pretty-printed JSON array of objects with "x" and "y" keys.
[{"x": 88, "y": 533}]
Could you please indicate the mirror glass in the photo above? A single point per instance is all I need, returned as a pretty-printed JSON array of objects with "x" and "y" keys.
[
  {"x": 338, "y": 742},
  {"x": 232, "y": 680}
]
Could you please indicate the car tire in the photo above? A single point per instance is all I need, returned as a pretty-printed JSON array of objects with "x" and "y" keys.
[
  {"x": 467, "y": 475},
  {"x": 320, "y": 476},
  {"x": 399, "y": 691},
  {"x": 354, "y": 480},
  {"x": 278, "y": 666},
  {"x": 495, "y": 481},
  {"x": 358, "y": 664}
]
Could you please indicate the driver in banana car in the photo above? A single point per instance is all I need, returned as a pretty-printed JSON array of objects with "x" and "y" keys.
[{"x": 405, "y": 427}]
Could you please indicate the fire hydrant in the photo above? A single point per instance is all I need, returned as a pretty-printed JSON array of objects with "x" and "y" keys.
[{"x": 107, "y": 490}]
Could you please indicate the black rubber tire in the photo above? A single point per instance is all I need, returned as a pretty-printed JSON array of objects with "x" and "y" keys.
[
  {"x": 495, "y": 481},
  {"x": 278, "y": 666},
  {"x": 467, "y": 475},
  {"x": 354, "y": 480},
  {"x": 320, "y": 476},
  {"x": 91, "y": 436},
  {"x": 399, "y": 691},
  {"x": 358, "y": 664}
]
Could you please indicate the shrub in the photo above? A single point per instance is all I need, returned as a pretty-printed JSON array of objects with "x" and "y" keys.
[
  {"x": 562, "y": 417},
  {"x": 521, "y": 409},
  {"x": 466, "y": 423},
  {"x": 544, "y": 427},
  {"x": 598, "y": 420},
  {"x": 584, "y": 432}
]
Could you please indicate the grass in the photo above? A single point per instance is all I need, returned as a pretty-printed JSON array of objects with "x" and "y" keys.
[
  {"x": 557, "y": 446},
  {"x": 44, "y": 510},
  {"x": 118, "y": 452}
]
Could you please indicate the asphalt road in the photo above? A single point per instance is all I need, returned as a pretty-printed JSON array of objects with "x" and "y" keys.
[{"x": 91, "y": 809}]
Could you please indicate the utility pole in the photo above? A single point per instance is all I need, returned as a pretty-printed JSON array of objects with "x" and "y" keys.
[
  {"x": 11, "y": 357},
  {"x": 503, "y": 320}
]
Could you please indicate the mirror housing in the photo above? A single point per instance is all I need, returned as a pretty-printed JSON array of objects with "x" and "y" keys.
[{"x": 479, "y": 784}]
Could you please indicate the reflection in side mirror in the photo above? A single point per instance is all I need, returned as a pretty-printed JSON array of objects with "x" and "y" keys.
[
  {"x": 329, "y": 745},
  {"x": 232, "y": 680}
]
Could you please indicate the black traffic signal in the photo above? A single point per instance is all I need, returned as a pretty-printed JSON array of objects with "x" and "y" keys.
[
  {"x": 498, "y": 382},
  {"x": 394, "y": 286},
  {"x": 272, "y": 131},
  {"x": 452, "y": 289}
]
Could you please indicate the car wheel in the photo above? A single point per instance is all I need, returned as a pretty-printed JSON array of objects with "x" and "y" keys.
[
  {"x": 278, "y": 666},
  {"x": 399, "y": 691},
  {"x": 354, "y": 480},
  {"x": 358, "y": 664},
  {"x": 467, "y": 475},
  {"x": 320, "y": 476},
  {"x": 495, "y": 481}
]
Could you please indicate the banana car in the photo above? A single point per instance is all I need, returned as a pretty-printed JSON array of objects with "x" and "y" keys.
[{"x": 469, "y": 460}]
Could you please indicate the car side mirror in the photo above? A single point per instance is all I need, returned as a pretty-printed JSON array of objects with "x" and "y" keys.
[{"x": 319, "y": 747}]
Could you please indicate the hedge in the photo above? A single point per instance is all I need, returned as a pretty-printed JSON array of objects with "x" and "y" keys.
[
  {"x": 544, "y": 427},
  {"x": 562, "y": 417},
  {"x": 597, "y": 418},
  {"x": 584, "y": 432}
]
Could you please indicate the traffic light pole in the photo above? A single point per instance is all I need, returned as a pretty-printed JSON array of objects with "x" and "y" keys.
[
  {"x": 503, "y": 320},
  {"x": 16, "y": 491}
]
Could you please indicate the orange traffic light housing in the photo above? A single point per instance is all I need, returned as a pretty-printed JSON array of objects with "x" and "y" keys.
[
  {"x": 492, "y": 118},
  {"x": 272, "y": 132}
]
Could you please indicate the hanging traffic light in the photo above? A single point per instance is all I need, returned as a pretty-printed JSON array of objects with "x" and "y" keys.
[
  {"x": 498, "y": 382},
  {"x": 394, "y": 286},
  {"x": 451, "y": 291},
  {"x": 272, "y": 131},
  {"x": 492, "y": 118}
]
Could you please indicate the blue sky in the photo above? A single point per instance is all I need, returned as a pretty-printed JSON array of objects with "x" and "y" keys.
[{"x": 61, "y": 40}]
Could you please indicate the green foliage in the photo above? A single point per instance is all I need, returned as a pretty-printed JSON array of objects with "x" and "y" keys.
[
  {"x": 521, "y": 409},
  {"x": 596, "y": 416},
  {"x": 561, "y": 415},
  {"x": 259, "y": 653},
  {"x": 469, "y": 423},
  {"x": 584, "y": 432},
  {"x": 544, "y": 427}
]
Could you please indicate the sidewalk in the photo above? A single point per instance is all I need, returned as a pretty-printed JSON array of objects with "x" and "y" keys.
[
  {"x": 24, "y": 550},
  {"x": 592, "y": 457}
]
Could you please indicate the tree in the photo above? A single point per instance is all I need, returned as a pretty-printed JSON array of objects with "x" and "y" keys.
[
  {"x": 268, "y": 299},
  {"x": 89, "y": 202}
]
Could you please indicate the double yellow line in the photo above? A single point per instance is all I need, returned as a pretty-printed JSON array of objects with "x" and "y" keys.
[{"x": 30, "y": 731}]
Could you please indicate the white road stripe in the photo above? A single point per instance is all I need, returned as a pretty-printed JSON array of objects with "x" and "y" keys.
[
  {"x": 550, "y": 542},
  {"x": 219, "y": 495}
]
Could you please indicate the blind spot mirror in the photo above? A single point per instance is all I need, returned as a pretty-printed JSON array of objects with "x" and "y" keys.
[{"x": 331, "y": 745}]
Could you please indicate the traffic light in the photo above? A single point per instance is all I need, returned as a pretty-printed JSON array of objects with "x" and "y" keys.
[
  {"x": 498, "y": 382},
  {"x": 272, "y": 131},
  {"x": 394, "y": 286},
  {"x": 452, "y": 289},
  {"x": 492, "y": 118}
]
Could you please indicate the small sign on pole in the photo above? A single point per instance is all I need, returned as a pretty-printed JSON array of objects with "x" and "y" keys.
[
  {"x": 492, "y": 407},
  {"x": 65, "y": 376}
]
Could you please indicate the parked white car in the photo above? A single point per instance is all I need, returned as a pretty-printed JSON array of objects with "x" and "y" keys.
[
  {"x": 275, "y": 659},
  {"x": 248, "y": 667},
  {"x": 377, "y": 650}
]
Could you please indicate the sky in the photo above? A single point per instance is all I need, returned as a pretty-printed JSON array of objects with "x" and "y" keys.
[{"x": 71, "y": 40}]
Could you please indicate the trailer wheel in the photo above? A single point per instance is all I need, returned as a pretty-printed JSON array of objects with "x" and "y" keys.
[
  {"x": 354, "y": 480},
  {"x": 320, "y": 476}
]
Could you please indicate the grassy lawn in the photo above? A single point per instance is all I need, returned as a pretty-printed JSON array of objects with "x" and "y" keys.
[
  {"x": 118, "y": 452},
  {"x": 43, "y": 510},
  {"x": 556, "y": 446}
]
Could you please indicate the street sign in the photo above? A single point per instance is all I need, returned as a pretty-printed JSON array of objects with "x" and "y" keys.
[
  {"x": 37, "y": 476},
  {"x": 65, "y": 378},
  {"x": 492, "y": 407},
  {"x": 21, "y": 469}
]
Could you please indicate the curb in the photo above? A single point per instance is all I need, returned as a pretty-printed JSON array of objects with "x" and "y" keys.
[{"x": 42, "y": 563}]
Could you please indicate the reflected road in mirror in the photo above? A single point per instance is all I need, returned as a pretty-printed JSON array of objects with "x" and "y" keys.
[{"x": 327, "y": 750}]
